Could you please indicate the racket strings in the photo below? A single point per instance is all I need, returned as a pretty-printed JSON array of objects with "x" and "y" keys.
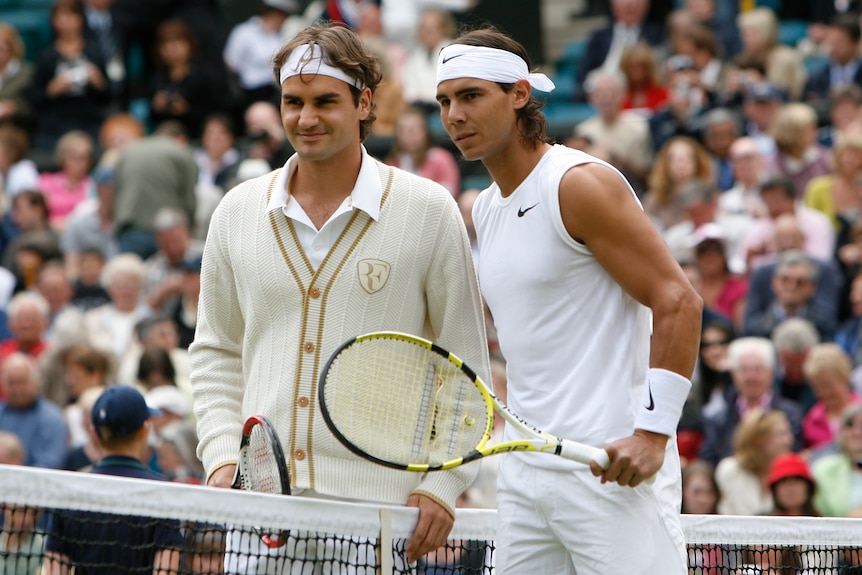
[
  {"x": 417, "y": 407},
  {"x": 262, "y": 470}
]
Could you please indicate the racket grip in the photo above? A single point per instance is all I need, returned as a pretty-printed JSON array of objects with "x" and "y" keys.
[{"x": 584, "y": 453}]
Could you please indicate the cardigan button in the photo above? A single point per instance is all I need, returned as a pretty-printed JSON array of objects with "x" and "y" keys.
[
  {"x": 303, "y": 401},
  {"x": 314, "y": 292},
  {"x": 309, "y": 347},
  {"x": 299, "y": 454}
]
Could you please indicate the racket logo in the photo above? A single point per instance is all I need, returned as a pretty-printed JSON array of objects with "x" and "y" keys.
[{"x": 372, "y": 274}]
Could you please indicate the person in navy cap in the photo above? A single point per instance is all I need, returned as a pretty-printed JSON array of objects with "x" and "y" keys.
[{"x": 101, "y": 543}]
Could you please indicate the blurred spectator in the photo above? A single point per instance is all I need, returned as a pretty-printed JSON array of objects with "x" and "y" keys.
[
  {"x": 712, "y": 382},
  {"x": 37, "y": 421},
  {"x": 760, "y": 105},
  {"x": 85, "y": 368},
  {"x": 182, "y": 89},
  {"x": 794, "y": 285},
  {"x": 789, "y": 237},
  {"x": 155, "y": 357},
  {"x": 346, "y": 12},
  {"x": 53, "y": 284},
  {"x": 88, "y": 292},
  {"x": 217, "y": 158},
  {"x": 836, "y": 475},
  {"x": 249, "y": 50},
  {"x": 84, "y": 456},
  {"x": 721, "y": 128},
  {"x": 836, "y": 194},
  {"x": 101, "y": 31},
  {"x": 65, "y": 189},
  {"x": 843, "y": 66},
  {"x": 792, "y": 486},
  {"x": 11, "y": 449},
  {"x": 156, "y": 172},
  {"x": 29, "y": 214},
  {"x": 793, "y": 340},
  {"x": 680, "y": 161},
  {"x": 827, "y": 368},
  {"x": 28, "y": 320},
  {"x": 16, "y": 74},
  {"x": 17, "y": 171},
  {"x": 759, "y": 33},
  {"x": 843, "y": 116},
  {"x": 762, "y": 436},
  {"x": 415, "y": 151},
  {"x": 620, "y": 138},
  {"x": 759, "y": 246},
  {"x": 170, "y": 402},
  {"x": 401, "y": 18},
  {"x": 205, "y": 548},
  {"x": 21, "y": 541},
  {"x": 163, "y": 270},
  {"x": 687, "y": 103},
  {"x": 746, "y": 165},
  {"x": 110, "y": 326},
  {"x": 175, "y": 453},
  {"x": 719, "y": 18},
  {"x": 69, "y": 85},
  {"x": 265, "y": 135},
  {"x": 645, "y": 91},
  {"x": 185, "y": 309},
  {"x": 722, "y": 290},
  {"x": 700, "y": 494},
  {"x": 437, "y": 27},
  {"x": 797, "y": 156},
  {"x": 699, "y": 43},
  {"x": 752, "y": 365},
  {"x": 628, "y": 25},
  {"x": 389, "y": 96}
]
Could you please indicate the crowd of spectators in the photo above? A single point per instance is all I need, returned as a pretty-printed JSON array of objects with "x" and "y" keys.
[{"x": 745, "y": 149}]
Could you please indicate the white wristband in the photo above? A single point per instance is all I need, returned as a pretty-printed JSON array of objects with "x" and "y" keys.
[{"x": 664, "y": 395}]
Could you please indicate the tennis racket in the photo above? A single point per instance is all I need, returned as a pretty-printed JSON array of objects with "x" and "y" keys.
[
  {"x": 262, "y": 467},
  {"x": 404, "y": 402}
]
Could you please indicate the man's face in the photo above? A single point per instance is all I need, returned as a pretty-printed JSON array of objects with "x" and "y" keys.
[
  {"x": 842, "y": 48},
  {"x": 719, "y": 137},
  {"x": 792, "y": 284},
  {"x": 320, "y": 118},
  {"x": 752, "y": 378},
  {"x": 27, "y": 325},
  {"x": 22, "y": 389},
  {"x": 478, "y": 115},
  {"x": 629, "y": 12},
  {"x": 174, "y": 243},
  {"x": 777, "y": 202},
  {"x": 606, "y": 97}
]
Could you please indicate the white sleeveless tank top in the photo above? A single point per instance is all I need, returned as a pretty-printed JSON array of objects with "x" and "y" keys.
[{"x": 576, "y": 345}]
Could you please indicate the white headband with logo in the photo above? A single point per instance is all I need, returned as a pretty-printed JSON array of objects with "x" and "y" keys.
[
  {"x": 462, "y": 61},
  {"x": 309, "y": 59}
]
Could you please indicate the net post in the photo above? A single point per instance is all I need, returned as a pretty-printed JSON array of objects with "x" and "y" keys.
[{"x": 384, "y": 547}]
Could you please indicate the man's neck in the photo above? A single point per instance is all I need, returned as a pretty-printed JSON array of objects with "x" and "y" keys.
[{"x": 512, "y": 166}]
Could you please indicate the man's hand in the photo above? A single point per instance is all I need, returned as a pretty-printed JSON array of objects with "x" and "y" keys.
[
  {"x": 222, "y": 477},
  {"x": 633, "y": 459},
  {"x": 432, "y": 529}
]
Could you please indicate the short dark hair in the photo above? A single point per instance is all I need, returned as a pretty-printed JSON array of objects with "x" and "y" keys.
[
  {"x": 532, "y": 122},
  {"x": 784, "y": 184},
  {"x": 849, "y": 24}
]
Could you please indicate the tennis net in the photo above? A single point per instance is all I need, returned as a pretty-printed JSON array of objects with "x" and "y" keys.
[{"x": 54, "y": 520}]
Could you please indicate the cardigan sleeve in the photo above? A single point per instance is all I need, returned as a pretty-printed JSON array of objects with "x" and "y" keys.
[{"x": 216, "y": 353}]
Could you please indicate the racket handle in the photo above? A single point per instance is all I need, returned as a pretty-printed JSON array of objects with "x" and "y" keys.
[{"x": 584, "y": 453}]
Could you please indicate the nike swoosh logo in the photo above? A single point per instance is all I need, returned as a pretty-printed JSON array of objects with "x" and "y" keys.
[
  {"x": 522, "y": 211},
  {"x": 451, "y": 58},
  {"x": 651, "y": 405}
]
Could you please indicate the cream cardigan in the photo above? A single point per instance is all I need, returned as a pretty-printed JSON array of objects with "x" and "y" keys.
[{"x": 268, "y": 322}]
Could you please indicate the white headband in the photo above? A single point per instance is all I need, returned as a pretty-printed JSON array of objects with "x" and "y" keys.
[
  {"x": 462, "y": 61},
  {"x": 308, "y": 59}
]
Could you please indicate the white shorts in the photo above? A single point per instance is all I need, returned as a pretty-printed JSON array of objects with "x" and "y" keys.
[{"x": 567, "y": 522}]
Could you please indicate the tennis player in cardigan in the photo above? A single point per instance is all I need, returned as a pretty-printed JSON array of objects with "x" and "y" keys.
[
  {"x": 332, "y": 245},
  {"x": 594, "y": 280}
]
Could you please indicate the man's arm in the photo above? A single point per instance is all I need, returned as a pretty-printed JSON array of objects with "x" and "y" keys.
[
  {"x": 166, "y": 562},
  {"x": 599, "y": 210}
]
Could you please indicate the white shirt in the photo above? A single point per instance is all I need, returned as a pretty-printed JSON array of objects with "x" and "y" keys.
[
  {"x": 366, "y": 196},
  {"x": 249, "y": 51}
]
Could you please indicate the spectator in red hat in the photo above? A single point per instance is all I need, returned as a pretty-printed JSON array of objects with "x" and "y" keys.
[{"x": 792, "y": 486}]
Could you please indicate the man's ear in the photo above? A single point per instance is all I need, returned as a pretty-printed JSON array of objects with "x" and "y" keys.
[{"x": 521, "y": 93}]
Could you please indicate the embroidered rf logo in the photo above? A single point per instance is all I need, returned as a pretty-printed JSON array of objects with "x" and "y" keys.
[{"x": 372, "y": 274}]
